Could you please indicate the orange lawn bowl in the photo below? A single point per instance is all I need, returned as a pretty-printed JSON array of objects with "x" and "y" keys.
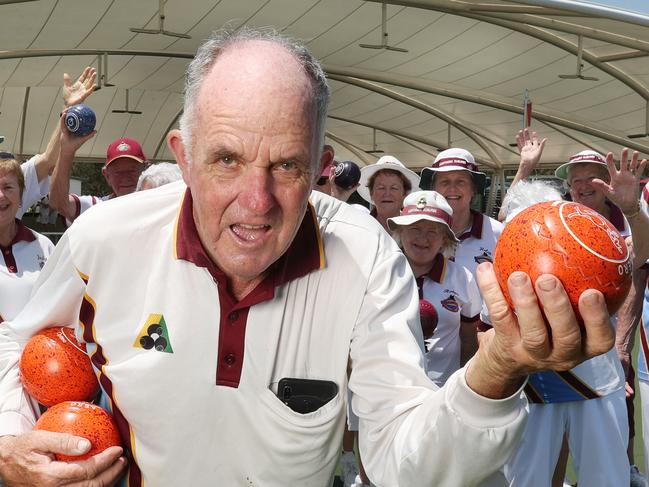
[
  {"x": 570, "y": 241},
  {"x": 83, "y": 419},
  {"x": 54, "y": 368}
]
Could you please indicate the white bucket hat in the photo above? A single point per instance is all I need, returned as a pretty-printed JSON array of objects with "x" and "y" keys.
[
  {"x": 454, "y": 159},
  {"x": 583, "y": 156},
  {"x": 385, "y": 162},
  {"x": 424, "y": 205}
]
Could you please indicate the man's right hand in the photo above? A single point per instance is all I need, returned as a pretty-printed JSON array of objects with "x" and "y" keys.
[{"x": 28, "y": 460}]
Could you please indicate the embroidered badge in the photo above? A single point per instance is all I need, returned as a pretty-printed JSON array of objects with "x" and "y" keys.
[
  {"x": 421, "y": 203},
  {"x": 451, "y": 304},
  {"x": 123, "y": 147},
  {"x": 154, "y": 335}
]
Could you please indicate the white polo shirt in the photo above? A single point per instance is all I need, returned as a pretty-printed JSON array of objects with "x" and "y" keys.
[
  {"x": 85, "y": 202},
  {"x": 20, "y": 265},
  {"x": 452, "y": 290},
  {"x": 200, "y": 407},
  {"x": 34, "y": 190},
  {"x": 477, "y": 243}
]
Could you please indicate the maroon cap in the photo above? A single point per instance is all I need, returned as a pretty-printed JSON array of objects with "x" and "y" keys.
[{"x": 125, "y": 147}]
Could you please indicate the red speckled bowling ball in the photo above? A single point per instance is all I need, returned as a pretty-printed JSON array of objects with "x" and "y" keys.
[
  {"x": 570, "y": 241},
  {"x": 54, "y": 368},
  {"x": 81, "y": 419},
  {"x": 429, "y": 318}
]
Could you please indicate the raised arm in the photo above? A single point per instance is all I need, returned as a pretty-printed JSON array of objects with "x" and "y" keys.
[
  {"x": 624, "y": 190},
  {"x": 60, "y": 198},
  {"x": 73, "y": 94},
  {"x": 530, "y": 148}
]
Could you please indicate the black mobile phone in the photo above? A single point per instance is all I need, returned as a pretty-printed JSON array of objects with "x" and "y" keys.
[{"x": 306, "y": 395}]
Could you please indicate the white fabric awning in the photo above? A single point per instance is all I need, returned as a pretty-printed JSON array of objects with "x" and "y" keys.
[{"x": 459, "y": 83}]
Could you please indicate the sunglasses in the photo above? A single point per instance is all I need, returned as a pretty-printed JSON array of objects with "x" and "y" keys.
[{"x": 6, "y": 155}]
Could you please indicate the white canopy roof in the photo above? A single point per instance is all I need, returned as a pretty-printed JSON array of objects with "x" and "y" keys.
[{"x": 459, "y": 83}]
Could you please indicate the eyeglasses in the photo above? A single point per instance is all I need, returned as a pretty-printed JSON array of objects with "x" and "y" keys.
[{"x": 6, "y": 155}]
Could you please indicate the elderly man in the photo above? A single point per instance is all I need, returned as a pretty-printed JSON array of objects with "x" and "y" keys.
[
  {"x": 124, "y": 165},
  {"x": 263, "y": 294}
]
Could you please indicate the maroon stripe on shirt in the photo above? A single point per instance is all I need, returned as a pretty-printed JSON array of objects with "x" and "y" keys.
[{"x": 87, "y": 318}]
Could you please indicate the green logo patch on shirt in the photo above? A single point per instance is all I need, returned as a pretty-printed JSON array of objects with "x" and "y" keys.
[{"x": 154, "y": 335}]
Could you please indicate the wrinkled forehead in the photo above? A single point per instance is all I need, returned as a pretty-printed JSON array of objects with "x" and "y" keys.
[
  {"x": 388, "y": 176},
  {"x": 258, "y": 75}
]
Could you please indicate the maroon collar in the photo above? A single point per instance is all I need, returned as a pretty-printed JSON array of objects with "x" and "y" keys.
[
  {"x": 305, "y": 254},
  {"x": 438, "y": 270},
  {"x": 617, "y": 217},
  {"x": 476, "y": 226},
  {"x": 23, "y": 234}
]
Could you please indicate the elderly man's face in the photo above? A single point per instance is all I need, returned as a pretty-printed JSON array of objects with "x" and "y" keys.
[
  {"x": 122, "y": 175},
  {"x": 254, "y": 159},
  {"x": 582, "y": 190}
]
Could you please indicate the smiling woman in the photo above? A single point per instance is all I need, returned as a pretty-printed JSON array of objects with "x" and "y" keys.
[
  {"x": 385, "y": 184},
  {"x": 424, "y": 230},
  {"x": 24, "y": 251}
]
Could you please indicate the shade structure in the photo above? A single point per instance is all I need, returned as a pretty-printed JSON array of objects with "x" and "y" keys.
[{"x": 408, "y": 77}]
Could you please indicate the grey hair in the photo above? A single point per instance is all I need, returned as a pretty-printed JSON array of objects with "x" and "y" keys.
[
  {"x": 159, "y": 175},
  {"x": 527, "y": 193},
  {"x": 218, "y": 43}
]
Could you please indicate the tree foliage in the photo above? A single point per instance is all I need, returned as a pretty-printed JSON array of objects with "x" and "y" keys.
[{"x": 92, "y": 180}]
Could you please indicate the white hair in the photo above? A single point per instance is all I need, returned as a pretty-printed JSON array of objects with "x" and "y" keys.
[
  {"x": 220, "y": 41},
  {"x": 159, "y": 174},
  {"x": 527, "y": 193}
]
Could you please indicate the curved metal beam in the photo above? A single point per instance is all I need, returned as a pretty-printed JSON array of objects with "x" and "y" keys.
[
  {"x": 535, "y": 18},
  {"x": 484, "y": 99},
  {"x": 27, "y": 53},
  {"x": 417, "y": 138},
  {"x": 412, "y": 144},
  {"x": 24, "y": 120},
  {"x": 357, "y": 151},
  {"x": 164, "y": 134},
  {"x": 572, "y": 48},
  {"x": 593, "y": 10},
  {"x": 579, "y": 140},
  {"x": 436, "y": 112},
  {"x": 455, "y": 8}
]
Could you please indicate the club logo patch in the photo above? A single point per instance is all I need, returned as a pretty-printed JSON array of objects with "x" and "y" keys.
[
  {"x": 451, "y": 304},
  {"x": 154, "y": 335}
]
